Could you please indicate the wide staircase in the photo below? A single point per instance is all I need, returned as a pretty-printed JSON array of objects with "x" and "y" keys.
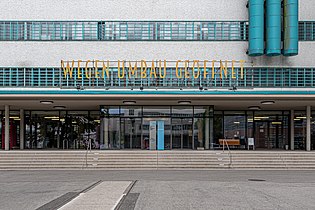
[{"x": 146, "y": 160}]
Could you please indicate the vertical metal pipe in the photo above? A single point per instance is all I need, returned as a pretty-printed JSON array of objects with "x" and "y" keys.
[
  {"x": 292, "y": 130},
  {"x": 22, "y": 128},
  {"x": 207, "y": 134},
  {"x": 308, "y": 128},
  {"x": 7, "y": 127}
]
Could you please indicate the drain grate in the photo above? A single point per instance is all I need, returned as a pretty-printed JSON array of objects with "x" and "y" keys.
[{"x": 256, "y": 180}]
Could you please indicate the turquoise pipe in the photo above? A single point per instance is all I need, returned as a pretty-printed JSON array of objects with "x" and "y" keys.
[
  {"x": 291, "y": 27},
  {"x": 273, "y": 27},
  {"x": 256, "y": 27}
]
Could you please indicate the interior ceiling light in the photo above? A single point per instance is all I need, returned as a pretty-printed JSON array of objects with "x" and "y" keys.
[
  {"x": 254, "y": 108},
  {"x": 129, "y": 102},
  {"x": 261, "y": 117},
  {"x": 59, "y": 107},
  {"x": 14, "y": 117},
  {"x": 267, "y": 102},
  {"x": 184, "y": 102},
  {"x": 51, "y": 117},
  {"x": 46, "y": 102}
]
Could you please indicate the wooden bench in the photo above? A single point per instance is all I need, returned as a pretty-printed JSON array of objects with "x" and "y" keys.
[{"x": 230, "y": 142}]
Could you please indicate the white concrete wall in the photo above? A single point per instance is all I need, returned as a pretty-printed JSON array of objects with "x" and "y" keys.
[
  {"x": 123, "y": 10},
  {"x": 51, "y": 53},
  {"x": 134, "y": 10},
  {"x": 306, "y": 10}
]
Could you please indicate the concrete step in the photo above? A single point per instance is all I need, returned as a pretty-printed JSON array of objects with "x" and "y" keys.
[{"x": 21, "y": 160}]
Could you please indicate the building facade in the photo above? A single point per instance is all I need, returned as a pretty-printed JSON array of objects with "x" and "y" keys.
[{"x": 157, "y": 74}]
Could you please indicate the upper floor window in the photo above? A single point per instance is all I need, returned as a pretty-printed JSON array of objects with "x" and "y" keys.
[{"x": 122, "y": 30}]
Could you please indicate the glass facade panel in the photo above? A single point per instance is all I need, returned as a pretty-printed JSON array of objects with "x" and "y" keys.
[
  {"x": 158, "y": 111},
  {"x": 160, "y": 132},
  {"x": 77, "y": 130},
  {"x": 234, "y": 126},
  {"x": 130, "y": 111},
  {"x": 299, "y": 130},
  {"x": 182, "y": 111},
  {"x": 131, "y": 133},
  {"x": 42, "y": 129},
  {"x": 203, "y": 111},
  {"x": 1, "y": 130},
  {"x": 113, "y": 141},
  {"x": 250, "y": 124},
  {"x": 178, "y": 127},
  {"x": 175, "y": 124},
  {"x": 182, "y": 133},
  {"x": 201, "y": 128},
  {"x": 271, "y": 129},
  {"x": 217, "y": 127},
  {"x": 313, "y": 131}
]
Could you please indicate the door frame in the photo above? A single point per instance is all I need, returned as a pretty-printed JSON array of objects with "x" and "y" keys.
[{"x": 182, "y": 134}]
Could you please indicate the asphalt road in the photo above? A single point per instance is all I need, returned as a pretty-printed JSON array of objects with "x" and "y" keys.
[{"x": 224, "y": 189}]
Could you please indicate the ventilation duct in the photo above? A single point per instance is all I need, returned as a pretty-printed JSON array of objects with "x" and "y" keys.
[
  {"x": 273, "y": 27},
  {"x": 256, "y": 27},
  {"x": 291, "y": 28}
]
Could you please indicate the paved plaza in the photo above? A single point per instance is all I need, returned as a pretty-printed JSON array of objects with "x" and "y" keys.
[{"x": 157, "y": 189}]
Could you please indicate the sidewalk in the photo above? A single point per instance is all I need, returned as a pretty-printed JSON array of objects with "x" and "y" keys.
[{"x": 104, "y": 196}]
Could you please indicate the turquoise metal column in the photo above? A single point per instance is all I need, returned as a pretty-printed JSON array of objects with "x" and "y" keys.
[
  {"x": 273, "y": 27},
  {"x": 256, "y": 27},
  {"x": 160, "y": 134},
  {"x": 291, "y": 28}
]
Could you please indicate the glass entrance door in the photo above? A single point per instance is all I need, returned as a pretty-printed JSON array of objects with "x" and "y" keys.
[
  {"x": 182, "y": 133},
  {"x": 165, "y": 134},
  {"x": 267, "y": 134},
  {"x": 131, "y": 133}
]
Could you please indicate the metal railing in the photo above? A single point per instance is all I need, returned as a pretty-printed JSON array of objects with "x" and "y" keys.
[
  {"x": 229, "y": 151},
  {"x": 253, "y": 78}
]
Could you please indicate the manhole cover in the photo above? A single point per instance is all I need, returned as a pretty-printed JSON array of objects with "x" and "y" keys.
[{"x": 256, "y": 180}]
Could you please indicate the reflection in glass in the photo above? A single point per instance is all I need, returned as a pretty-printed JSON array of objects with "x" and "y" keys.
[
  {"x": 201, "y": 128},
  {"x": 166, "y": 130},
  {"x": 217, "y": 127},
  {"x": 130, "y": 111},
  {"x": 202, "y": 111},
  {"x": 113, "y": 128},
  {"x": 156, "y": 111},
  {"x": 131, "y": 133},
  {"x": 182, "y": 111},
  {"x": 1, "y": 117},
  {"x": 313, "y": 131},
  {"x": 300, "y": 130},
  {"x": 41, "y": 129},
  {"x": 271, "y": 129},
  {"x": 250, "y": 124},
  {"x": 182, "y": 133},
  {"x": 234, "y": 127}
]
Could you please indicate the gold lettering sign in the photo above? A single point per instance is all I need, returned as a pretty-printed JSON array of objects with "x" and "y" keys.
[{"x": 180, "y": 69}]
